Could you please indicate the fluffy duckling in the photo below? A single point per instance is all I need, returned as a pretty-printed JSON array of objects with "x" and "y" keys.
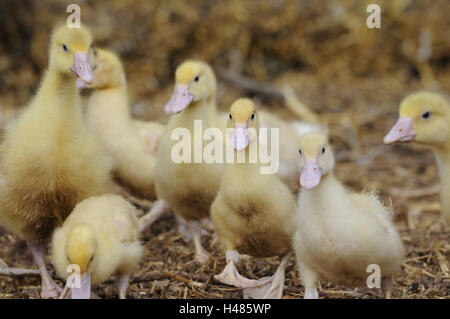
[
  {"x": 129, "y": 141},
  {"x": 50, "y": 160},
  {"x": 101, "y": 237},
  {"x": 189, "y": 188},
  {"x": 253, "y": 213},
  {"x": 340, "y": 233},
  {"x": 425, "y": 119}
]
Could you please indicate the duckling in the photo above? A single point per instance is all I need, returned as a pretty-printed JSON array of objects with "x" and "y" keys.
[
  {"x": 340, "y": 233},
  {"x": 425, "y": 120},
  {"x": 101, "y": 237},
  {"x": 50, "y": 159},
  {"x": 189, "y": 188},
  {"x": 132, "y": 143},
  {"x": 253, "y": 213}
]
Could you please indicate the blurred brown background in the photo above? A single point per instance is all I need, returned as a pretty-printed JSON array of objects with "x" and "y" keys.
[
  {"x": 326, "y": 42},
  {"x": 353, "y": 76}
]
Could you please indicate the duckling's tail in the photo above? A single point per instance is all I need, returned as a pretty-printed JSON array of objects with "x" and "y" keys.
[{"x": 300, "y": 109}]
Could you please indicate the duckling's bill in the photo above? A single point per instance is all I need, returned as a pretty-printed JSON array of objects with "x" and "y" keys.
[
  {"x": 180, "y": 99},
  {"x": 402, "y": 132},
  {"x": 84, "y": 291},
  {"x": 80, "y": 288},
  {"x": 240, "y": 137},
  {"x": 82, "y": 67},
  {"x": 311, "y": 174}
]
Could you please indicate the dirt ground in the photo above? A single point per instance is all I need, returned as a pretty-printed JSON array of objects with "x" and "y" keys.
[{"x": 353, "y": 77}]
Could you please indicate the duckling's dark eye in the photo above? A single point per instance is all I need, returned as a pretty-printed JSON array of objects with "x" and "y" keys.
[
  {"x": 196, "y": 78},
  {"x": 90, "y": 259},
  {"x": 300, "y": 151},
  {"x": 426, "y": 115},
  {"x": 65, "y": 48},
  {"x": 323, "y": 150},
  {"x": 252, "y": 117},
  {"x": 230, "y": 117}
]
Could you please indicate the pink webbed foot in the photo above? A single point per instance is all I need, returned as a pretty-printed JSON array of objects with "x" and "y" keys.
[
  {"x": 231, "y": 276},
  {"x": 270, "y": 287},
  {"x": 50, "y": 290}
]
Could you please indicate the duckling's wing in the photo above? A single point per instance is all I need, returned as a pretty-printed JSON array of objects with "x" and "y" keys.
[{"x": 125, "y": 227}]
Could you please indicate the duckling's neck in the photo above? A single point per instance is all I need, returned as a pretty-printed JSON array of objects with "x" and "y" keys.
[
  {"x": 59, "y": 89},
  {"x": 243, "y": 166},
  {"x": 328, "y": 183},
  {"x": 58, "y": 100},
  {"x": 321, "y": 196},
  {"x": 200, "y": 110},
  {"x": 109, "y": 102},
  {"x": 443, "y": 162}
]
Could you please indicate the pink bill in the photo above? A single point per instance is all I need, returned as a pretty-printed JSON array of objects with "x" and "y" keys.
[
  {"x": 180, "y": 99},
  {"x": 311, "y": 174},
  {"x": 402, "y": 132}
]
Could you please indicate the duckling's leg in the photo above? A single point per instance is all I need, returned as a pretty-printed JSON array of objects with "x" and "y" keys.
[
  {"x": 270, "y": 287},
  {"x": 196, "y": 231},
  {"x": 49, "y": 288},
  {"x": 386, "y": 285},
  {"x": 207, "y": 224},
  {"x": 309, "y": 279},
  {"x": 182, "y": 229},
  {"x": 230, "y": 274},
  {"x": 122, "y": 285},
  {"x": 158, "y": 208}
]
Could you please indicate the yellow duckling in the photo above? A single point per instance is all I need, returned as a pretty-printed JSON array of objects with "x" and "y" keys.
[
  {"x": 340, "y": 233},
  {"x": 189, "y": 188},
  {"x": 253, "y": 213},
  {"x": 101, "y": 237},
  {"x": 50, "y": 160},
  {"x": 131, "y": 142},
  {"x": 425, "y": 119}
]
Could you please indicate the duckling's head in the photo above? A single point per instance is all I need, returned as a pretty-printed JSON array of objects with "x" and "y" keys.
[
  {"x": 108, "y": 71},
  {"x": 315, "y": 159},
  {"x": 70, "y": 52},
  {"x": 243, "y": 123},
  {"x": 424, "y": 118},
  {"x": 194, "y": 82},
  {"x": 81, "y": 247}
]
